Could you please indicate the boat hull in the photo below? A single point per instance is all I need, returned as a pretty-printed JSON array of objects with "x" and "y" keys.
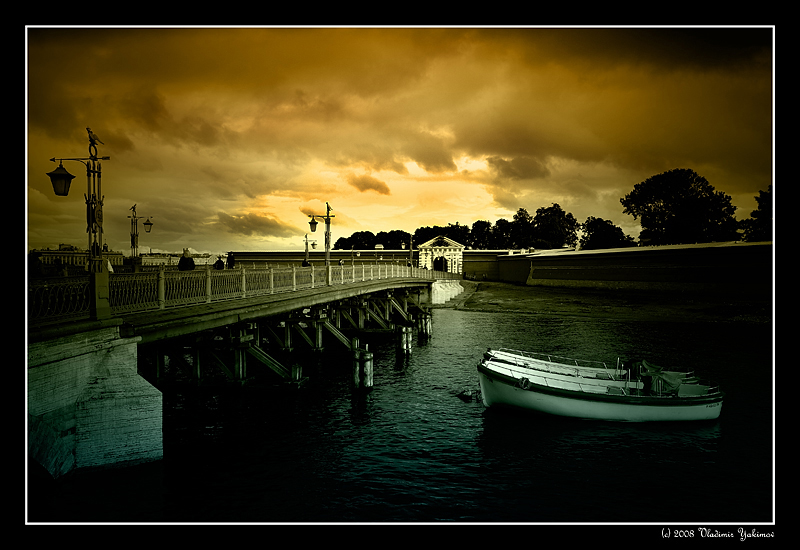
[{"x": 500, "y": 390}]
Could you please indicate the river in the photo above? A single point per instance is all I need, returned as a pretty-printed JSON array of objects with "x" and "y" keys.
[{"x": 421, "y": 448}]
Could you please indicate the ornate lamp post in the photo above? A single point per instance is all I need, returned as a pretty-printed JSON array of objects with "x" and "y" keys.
[
  {"x": 61, "y": 179},
  {"x": 410, "y": 250},
  {"x": 148, "y": 226},
  {"x": 306, "y": 263},
  {"x": 313, "y": 224}
]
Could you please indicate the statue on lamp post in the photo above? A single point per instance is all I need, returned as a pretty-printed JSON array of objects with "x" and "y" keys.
[{"x": 98, "y": 272}]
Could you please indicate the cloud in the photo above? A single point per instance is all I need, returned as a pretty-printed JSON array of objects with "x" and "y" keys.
[
  {"x": 213, "y": 128},
  {"x": 255, "y": 224},
  {"x": 365, "y": 182},
  {"x": 518, "y": 168},
  {"x": 370, "y": 156},
  {"x": 430, "y": 152}
]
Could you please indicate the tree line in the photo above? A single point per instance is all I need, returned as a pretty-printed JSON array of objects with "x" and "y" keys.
[{"x": 675, "y": 207}]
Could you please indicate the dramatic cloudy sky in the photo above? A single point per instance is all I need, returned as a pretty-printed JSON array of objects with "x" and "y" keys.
[{"x": 229, "y": 137}]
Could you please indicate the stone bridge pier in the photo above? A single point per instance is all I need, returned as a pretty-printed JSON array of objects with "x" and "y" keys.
[{"x": 87, "y": 405}]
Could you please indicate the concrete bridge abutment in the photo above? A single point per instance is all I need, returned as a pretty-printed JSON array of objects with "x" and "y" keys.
[
  {"x": 87, "y": 405},
  {"x": 444, "y": 290}
]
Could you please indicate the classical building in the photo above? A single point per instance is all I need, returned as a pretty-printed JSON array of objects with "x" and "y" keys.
[
  {"x": 71, "y": 258},
  {"x": 442, "y": 254}
]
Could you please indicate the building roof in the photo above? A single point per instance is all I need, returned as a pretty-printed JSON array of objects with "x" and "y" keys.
[{"x": 441, "y": 240}]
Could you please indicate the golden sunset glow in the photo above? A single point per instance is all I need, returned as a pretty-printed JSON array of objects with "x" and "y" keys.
[{"x": 229, "y": 137}]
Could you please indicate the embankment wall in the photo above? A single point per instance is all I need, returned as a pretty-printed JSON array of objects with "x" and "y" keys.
[{"x": 738, "y": 268}]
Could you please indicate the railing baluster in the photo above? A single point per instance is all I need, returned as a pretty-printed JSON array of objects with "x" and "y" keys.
[
  {"x": 208, "y": 284},
  {"x": 162, "y": 287}
]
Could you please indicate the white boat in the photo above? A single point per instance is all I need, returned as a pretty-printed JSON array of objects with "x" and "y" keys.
[{"x": 628, "y": 391}]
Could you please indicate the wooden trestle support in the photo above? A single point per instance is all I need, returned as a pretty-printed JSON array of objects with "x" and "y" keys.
[{"x": 228, "y": 350}]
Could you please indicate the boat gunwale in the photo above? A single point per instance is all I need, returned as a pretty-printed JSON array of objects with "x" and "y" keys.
[
  {"x": 589, "y": 364},
  {"x": 578, "y": 364}
]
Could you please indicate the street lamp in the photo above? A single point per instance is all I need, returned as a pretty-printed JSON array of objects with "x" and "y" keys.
[
  {"x": 306, "y": 263},
  {"x": 148, "y": 225},
  {"x": 353, "y": 255},
  {"x": 61, "y": 179},
  {"x": 313, "y": 224}
]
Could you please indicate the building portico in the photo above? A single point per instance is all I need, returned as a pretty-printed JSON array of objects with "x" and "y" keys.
[{"x": 442, "y": 254}]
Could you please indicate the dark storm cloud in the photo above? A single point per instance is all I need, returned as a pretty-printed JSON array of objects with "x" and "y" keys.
[
  {"x": 660, "y": 48},
  {"x": 255, "y": 224},
  {"x": 368, "y": 183},
  {"x": 429, "y": 152},
  {"x": 372, "y": 156},
  {"x": 518, "y": 168}
]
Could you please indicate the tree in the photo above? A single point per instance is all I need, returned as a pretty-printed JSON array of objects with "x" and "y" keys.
[
  {"x": 360, "y": 240},
  {"x": 392, "y": 240},
  {"x": 758, "y": 227},
  {"x": 679, "y": 206},
  {"x": 501, "y": 234},
  {"x": 399, "y": 238},
  {"x": 522, "y": 230},
  {"x": 459, "y": 233},
  {"x": 424, "y": 234},
  {"x": 599, "y": 233},
  {"x": 480, "y": 236},
  {"x": 554, "y": 228}
]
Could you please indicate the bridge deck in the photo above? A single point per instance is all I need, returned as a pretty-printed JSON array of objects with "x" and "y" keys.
[{"x": 169, "y": 323}]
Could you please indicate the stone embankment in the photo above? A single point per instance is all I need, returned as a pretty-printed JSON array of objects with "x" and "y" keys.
[{"x": 609, "y": 303}]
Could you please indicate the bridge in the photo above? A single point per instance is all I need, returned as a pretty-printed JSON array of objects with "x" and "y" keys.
[{"x": 93, "y": 397}]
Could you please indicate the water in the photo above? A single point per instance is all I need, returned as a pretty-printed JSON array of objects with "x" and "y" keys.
[{"x": 417, "y": 449}]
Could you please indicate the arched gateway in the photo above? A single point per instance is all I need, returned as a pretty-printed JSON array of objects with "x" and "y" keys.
[{"x": 442, "y": 254}]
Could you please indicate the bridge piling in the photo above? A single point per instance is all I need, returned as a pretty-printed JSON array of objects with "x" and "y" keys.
[
  {"x": 297, "y": 372},
  {"x": 424, "y": 325},
  {"x": 356, "y": 367},
  {"x": 366, "y": 365},
  {"x": 362, "y": 365},
  {"x": 404, "y": 339}
]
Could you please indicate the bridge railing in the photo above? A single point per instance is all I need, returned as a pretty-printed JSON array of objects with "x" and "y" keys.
[
  {"x": 58, "y": 297},
  {"x": 67, "y": 297}
]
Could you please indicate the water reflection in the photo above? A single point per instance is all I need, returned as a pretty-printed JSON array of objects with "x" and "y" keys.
[{"x": 507, "y": 432}]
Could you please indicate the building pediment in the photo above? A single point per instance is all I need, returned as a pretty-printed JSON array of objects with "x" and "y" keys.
[{"x": 441, "y": 242}]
